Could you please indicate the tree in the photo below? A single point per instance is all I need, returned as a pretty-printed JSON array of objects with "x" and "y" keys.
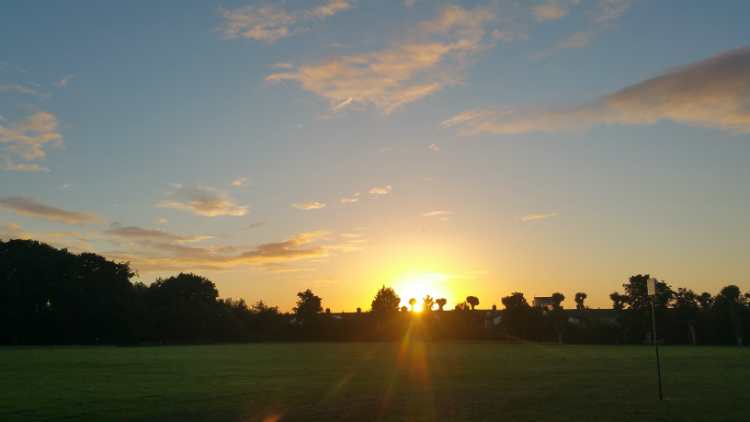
[
  {"x": 308, "y": 305},
  {"x": 463, "y": 306},
  {"x": 580, "y": 297},
  {"x": 428, "y": 303},
  {"x": 183, "y": 309},
  {"x": 732, "y": 313},
  {"x": 386, "y": 300},
  {"x": 558, "y": 316},
  {"x": 473, "y": 301},
  {"x": 516, "y": 314},
  {"x": 686, "y": 313},
  {"x": 441, "y": 302},
  {"x": 412, "y": 302}
]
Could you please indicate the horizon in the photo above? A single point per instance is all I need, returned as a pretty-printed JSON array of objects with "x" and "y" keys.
[{"x": 469, "y": 148}]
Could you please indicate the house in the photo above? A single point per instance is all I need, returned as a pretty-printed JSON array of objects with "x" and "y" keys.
[{"x": 544, "y": 301}]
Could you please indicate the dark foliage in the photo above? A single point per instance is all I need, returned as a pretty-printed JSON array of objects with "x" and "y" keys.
[{"x": 52, "y": 296}]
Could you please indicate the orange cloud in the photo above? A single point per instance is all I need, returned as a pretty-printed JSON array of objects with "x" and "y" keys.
[
  {"x": 206, "y": 201},
  {"x": 270, "y": 22},
  {"x": 309, "y": 206},
  {"x": 28, "y": 139},
  {"x": 407, "y": 71}
]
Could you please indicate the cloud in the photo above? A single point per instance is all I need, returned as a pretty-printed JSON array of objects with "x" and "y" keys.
[
  {"x": 133, "y": 232},
  {"x": 552, "y": 9},
  {"x": 406, "y": 71},
  {"x": 434, "y": 147},
  {"x": 349, "y": 200},
  {"x": 579, "y": 39},
  {"x": 537, "y": 216},
  {"x": 309, "y": 206},
  {"x": 206, "y": 201},
  {"x": 23, "y": 90},
  {"x": 28, "y": 139},
  {"x": 608, "y": 10},
  {"x": 709, "y": 93},
  {"x": 63, "y": 81},
  {"x": 160, "y": 253},
  {"x": 242, "y": 182},
  {"x": 14, "y": 231},
  {"x": 380, "y": 191},
  {"x": 10, "y": 166},
  {"x": 442, "y": 215},
  {"x": 162, "y": 221},
  {"x": 433, "y": 213},
  {"x": 24, "y": 205},
  {"x": 270, "y": 22}
]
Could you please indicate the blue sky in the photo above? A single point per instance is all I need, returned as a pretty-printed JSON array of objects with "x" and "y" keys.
[{"x": 442, "y": 148}]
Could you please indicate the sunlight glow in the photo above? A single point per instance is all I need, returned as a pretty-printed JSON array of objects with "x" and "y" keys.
[{"x": 417, "y": 284}]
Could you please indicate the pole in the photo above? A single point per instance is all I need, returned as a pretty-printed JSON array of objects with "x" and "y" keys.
[{"x": 656, "y": 346}]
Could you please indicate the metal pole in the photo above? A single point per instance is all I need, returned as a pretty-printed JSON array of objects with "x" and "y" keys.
[{"x": 656, "y": 346}]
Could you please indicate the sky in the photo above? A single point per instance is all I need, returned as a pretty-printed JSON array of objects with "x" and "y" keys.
[{"x": 440, "y": 148}]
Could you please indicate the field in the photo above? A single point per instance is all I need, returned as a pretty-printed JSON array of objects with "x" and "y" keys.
[{"x": 413, "y": 381}]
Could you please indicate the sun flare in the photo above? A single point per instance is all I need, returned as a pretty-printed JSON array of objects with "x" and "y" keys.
[{"x": 417, "y": 285}]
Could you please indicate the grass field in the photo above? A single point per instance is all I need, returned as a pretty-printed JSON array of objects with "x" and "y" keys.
[{"x": 374, "y": 381}]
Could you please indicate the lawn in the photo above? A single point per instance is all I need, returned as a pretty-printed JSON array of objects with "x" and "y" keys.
[{"x": 412, "y": 381}]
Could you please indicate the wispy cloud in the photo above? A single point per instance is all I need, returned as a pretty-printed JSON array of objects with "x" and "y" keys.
[
  {"x": 434, "y": 147},
  {"x": 608, "y": 10},
  {"x": 381, "y": 191},
  {"x": 309, "y": 206},
  {"x": 553, "y": 9},
  {"x": 206, "y": 201},
  {"x": 11, "y": 87},
  {"x": 422, "y": 65},
  {"x": 242, "y": 182},
  {"x": 132, "y": 232},
  {"x": 63, "y": 81},
  {"x": 24, "y": 205},
  {"x": 270, "y": 22},
  {"x": 27, "y": 140},
  {"x": 163, "y": 254},
  {"x": 709, "y": 93},
  {"x": 442, "y": 215},
  {"x": 537, "y": 216},
  {"x": 434, "y": 213}
]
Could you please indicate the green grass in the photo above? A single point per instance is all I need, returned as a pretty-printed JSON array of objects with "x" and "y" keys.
[{"x": 374, "y": 381}]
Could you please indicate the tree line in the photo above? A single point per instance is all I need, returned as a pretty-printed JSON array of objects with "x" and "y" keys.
[{"x": 52, "y": 296}]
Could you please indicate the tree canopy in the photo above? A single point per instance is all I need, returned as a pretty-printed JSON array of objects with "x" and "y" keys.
[{"x": 386, "y": 300}]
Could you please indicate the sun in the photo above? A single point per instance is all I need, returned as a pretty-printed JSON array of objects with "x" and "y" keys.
[{"x": 417, "y": 285}]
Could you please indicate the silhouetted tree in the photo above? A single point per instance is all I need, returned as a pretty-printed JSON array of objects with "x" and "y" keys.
[
  {"x": 412, "y": 302},
  {"x": 441, "y": 302},
  {"x": 385, "y": 300},
  {"x": 685, "y": 316},
  {"x": 558, "y": 316},
  {"x": 473, "y": 301},
  {"x": 463, "y": 306},
  {"x": 183, "y": 309},
  {"x": 516, "y": 314},
  {"x": 731, "y": 313},
  {"x": 579, "y": 299},
  {"x": 428, "y": 303},
  {"x": 637, "y": 318},
  {"x": 308, "y": 305}
]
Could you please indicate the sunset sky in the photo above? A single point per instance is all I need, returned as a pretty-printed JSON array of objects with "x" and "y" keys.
[{"x": 441, "y": 148}]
